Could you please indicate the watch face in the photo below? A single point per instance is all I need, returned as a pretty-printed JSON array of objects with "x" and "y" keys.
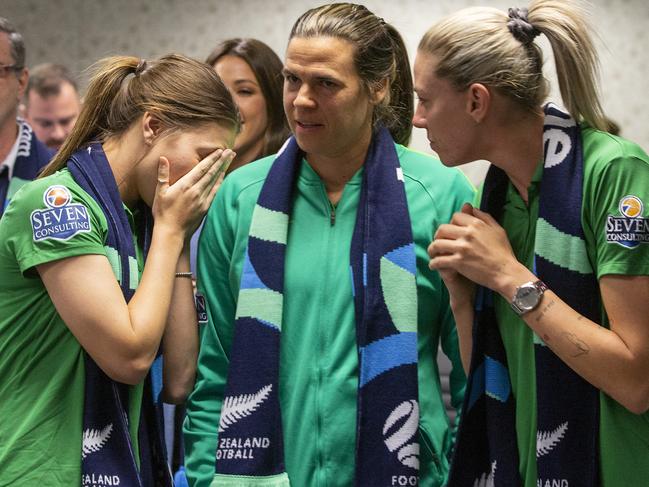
[{"x": 527, "y": 297}]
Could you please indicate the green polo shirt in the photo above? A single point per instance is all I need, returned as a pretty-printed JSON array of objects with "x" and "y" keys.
[
  {"x": 42, "y": 369},
  {"x": 614, "y": 169},
  {"x": 319, "y": 358}
]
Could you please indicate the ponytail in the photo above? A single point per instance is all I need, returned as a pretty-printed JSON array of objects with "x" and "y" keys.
[
  {"x": 402, "y": 100},
  {"x": 486, "y": 45},
  {"x": 566, "y": 26},
  {"x": 103, "y": 90},
  {"x": 179, "y": 91}
]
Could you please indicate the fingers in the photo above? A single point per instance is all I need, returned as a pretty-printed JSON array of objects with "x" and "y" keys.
[
  {"x": 224, "y": 163},
  {"x": 443, "y": 262},
  {"x": 463, "y": 219},
  {"x": 216, "y": 173},
  {"x": 470, "y": 216},
  {"x": 449, "y": 231},
  {"x": 163, "y": 174},
  {"x": 443, "y": 247},
  {"x": 484, "y": 216},
  {"x": 212, "y": 192},
  {"x": 203, "y": 168},
  {"x": 467, "y": 208}
]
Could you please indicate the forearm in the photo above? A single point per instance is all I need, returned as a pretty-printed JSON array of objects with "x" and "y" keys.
[
  {"x": 615, "y": 365},
  {"x": 596, "y": 353},
  {"x": 180, "y": 340},
  {"x": 614, "y": 360},
  {"x": 149, "y": 307},
  {"x": 463, "y": 314}
]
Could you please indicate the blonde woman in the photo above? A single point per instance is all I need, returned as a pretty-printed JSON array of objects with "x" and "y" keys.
[
  {"x": 94, "y": 258},
  {"x": 556, "y": 260}
]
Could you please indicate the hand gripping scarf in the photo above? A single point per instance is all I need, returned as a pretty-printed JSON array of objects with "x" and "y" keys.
[
  {"x": 107, "y": 452},
  {"x": 250, "y": 448},
  {"x": 486, "y": 453},
  {"x": 31, "y": 157}
]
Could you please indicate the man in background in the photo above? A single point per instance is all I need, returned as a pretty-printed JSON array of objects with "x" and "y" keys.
[
  {"x": 21, "y": 154},
  {"x": 52, "y": 103}
]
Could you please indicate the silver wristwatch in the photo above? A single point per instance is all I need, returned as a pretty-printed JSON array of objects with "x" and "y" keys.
[{"x": 528, "y": 296}]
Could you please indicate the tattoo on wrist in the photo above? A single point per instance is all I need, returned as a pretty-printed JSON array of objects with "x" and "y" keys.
[
  {"x": 581, "y": 347},
  {"x": 544, "y": 310}
]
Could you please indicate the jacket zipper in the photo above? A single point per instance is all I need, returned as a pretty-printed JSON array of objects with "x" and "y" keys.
[{"x": 332, "y": 214}]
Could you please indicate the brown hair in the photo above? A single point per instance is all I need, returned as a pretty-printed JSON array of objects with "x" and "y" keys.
[
  {"x": 486, "y": 45},
  {"x": 46, "y": 79},
  {"x": 178, "y": 91},
  {"x": 267, "y": 68},
  {"x": 380, "y": 55}
]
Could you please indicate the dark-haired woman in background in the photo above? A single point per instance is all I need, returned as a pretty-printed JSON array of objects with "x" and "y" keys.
[
  {"x": 323, "y": 247},
  {"x": 253, "y": 73}
]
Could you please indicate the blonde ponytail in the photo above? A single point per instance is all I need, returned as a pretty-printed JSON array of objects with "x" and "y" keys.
[
  {"x": 567, "y": 27},
  {"x": 486, "y": 45}
]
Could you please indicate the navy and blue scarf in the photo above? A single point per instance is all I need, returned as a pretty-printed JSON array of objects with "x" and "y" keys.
[
  {"x": 107, "y": 451},
  {"x": 31, "y": 157},
  {"x": 250, "y": 449},
  {"x": 486, "y": 453}
]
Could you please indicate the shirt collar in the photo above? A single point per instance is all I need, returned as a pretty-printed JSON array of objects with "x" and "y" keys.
[
  {"x": 308, "y": 174},
  {"x": 10, "y": 160},
  {"x": 532, "y": 189}
]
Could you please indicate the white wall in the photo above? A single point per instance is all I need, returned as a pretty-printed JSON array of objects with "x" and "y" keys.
[{"x": 78, "y": 32}]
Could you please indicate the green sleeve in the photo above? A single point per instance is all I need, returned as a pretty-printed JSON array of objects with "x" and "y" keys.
[
  {"x": 34, "y": 238},
  {"x": 451, "y": 348},
  {"x": 616, "y": 216},
  {"x": 204, "y": 404},
  {"x": 477, "y": 198}
]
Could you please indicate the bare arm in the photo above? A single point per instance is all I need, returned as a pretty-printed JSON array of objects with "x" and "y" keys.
[
  {"x": 180, "y": 340},
  {"x": 124, "y": 338},
  {"x": 461, "y": 296},
  {"x": 463, "y": 314},
  {"x": 615, "y": 361}
]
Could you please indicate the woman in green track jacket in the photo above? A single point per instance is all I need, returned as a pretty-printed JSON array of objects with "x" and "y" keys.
[{"x": 341, "y": 85}]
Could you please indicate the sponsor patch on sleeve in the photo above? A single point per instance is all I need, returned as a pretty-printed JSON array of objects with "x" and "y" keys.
[
  {"x": 630, "y": 228},
  {"x": 62, "y": 219}
]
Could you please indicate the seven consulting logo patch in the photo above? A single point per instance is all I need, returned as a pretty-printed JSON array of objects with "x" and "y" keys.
[
  {"x": 631, "y": 228},
  {"x": 62, "y": 219}
]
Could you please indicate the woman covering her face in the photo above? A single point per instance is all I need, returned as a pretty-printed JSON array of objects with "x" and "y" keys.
[
  {"x": 253, "y": 74},
  {"x": 94, "y": 259},
  {"x": 556, "y": 260},
  {"x": 318, "y": 360}
]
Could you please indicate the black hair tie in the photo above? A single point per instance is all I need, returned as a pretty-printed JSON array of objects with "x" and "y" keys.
[{"x": 520, "y": 27}]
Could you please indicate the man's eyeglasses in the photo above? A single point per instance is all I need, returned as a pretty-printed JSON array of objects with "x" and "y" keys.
[{"x": 5, "y": 69}]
